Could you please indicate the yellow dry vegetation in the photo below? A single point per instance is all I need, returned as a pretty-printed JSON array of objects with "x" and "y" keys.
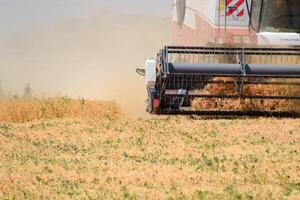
[
  {"x": 26, "y": 110},
  {"x": 248, "y": 104},
  {"x": 248, "y": 89},
  {"x": 92, "y": 157}
]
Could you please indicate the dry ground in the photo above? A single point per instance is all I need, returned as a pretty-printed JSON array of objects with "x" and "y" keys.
[{"x": 103, "y": 157}]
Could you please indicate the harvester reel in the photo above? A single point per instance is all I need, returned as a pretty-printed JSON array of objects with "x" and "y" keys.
[{"x": 185, "y": 74}]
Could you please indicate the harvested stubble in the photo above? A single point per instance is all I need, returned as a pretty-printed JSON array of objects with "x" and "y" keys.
[{"x": 27, "y": 110}]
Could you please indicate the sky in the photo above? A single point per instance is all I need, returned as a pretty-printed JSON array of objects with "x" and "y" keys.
[
  {"x": 87, "y": 48},
  {"x": 20, "y": 15}
]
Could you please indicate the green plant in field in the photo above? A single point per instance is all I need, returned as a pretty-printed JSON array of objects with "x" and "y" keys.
[
  {"x": 232, "y": 192},
  {"x": 212, "y": 134},
  {"x": 126, "y": 194},
  {"x": 290, "y": 188},
  {"x": 27, "y": 94},
  {"x": 5, "y": 130},
  {"x": 65, "y": 100},
  {"x": 70, "y": 188},
  {"x": 82, "y": 101}
]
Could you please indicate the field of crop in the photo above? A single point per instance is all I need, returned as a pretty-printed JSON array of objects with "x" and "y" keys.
[{"x": 107, "y": 155}]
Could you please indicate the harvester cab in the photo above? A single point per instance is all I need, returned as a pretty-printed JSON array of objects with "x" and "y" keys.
[
  {"x": 239, "y": 56},
  {"x": 276, "y": 22}
]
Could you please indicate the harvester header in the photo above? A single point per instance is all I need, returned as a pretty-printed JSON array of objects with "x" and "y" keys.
[{"x": 184, "y": 74}]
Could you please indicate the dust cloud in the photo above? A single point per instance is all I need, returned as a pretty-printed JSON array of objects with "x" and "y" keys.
[{"x": 92, "y": 58}]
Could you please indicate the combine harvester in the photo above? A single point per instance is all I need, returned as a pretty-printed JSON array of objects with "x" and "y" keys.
[{"x": 244, "y": 47}]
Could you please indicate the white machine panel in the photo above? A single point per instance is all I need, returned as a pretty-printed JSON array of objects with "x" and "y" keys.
[
  {"x": 214, "y": 11},
  {"x": 150, "y": 72},
  {"x": 288, "y": 39}
]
